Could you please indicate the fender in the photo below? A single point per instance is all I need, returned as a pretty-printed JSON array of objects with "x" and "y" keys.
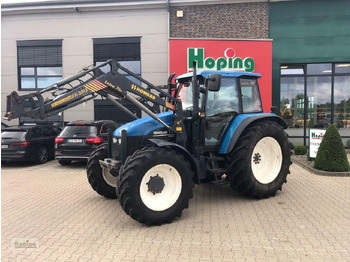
[
  {"x": 240, "y": 123},
  {"x": 195, "y": 163}
]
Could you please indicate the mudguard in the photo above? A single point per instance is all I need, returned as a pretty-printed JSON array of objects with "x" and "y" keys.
[
  {"x": 240, "y": 123},
  {"x": 195, "y": 164}
]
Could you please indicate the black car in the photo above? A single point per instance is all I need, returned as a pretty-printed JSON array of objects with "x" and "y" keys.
[
  {"x": 80, "y": 138},
  {"x": 28, "y": 143}
]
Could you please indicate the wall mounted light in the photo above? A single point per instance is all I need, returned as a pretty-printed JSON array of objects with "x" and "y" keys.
[{"x": 179, "y": 13}]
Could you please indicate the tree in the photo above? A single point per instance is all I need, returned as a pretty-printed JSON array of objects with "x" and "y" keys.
[{"x": 331, "y": 154}]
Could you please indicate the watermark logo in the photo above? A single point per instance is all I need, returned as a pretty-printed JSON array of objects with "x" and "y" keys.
[{"x": 25, "y": 243}]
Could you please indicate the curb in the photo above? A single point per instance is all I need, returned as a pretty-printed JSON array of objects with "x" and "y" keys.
[{"x": 320, "y": 172}]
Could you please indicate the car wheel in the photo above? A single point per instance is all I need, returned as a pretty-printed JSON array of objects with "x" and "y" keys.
[{"x": 43, "y": 155}]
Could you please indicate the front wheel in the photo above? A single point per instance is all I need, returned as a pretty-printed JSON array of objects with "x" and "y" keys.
[
  {"x": 100, "y": 179},
  {"x": 259, "y": 163},
  {"x": 155, "y": 185}
]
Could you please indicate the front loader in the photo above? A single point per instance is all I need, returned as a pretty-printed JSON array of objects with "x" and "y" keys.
[{"x": 209, "y": 127}]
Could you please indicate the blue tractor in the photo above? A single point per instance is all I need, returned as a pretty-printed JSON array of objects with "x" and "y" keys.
[{"x": 208, "y": 127}]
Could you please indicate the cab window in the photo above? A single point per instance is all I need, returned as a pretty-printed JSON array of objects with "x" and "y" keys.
[
  {"x": 251, "y": 101},
  {"x": 225, "y": 100}
]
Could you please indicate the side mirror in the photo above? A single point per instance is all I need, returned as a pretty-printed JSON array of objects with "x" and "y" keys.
[{"x": 213, "y": 82}]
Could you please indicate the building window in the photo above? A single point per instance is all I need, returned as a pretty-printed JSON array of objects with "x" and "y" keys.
[
  {"x": 314, "y": 96},
  {"x": 39, "y": 63},
  {"x": 125, "y": 50}
]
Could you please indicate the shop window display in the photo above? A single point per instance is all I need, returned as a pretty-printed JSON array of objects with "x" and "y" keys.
[{"x": 314, "y": 96}]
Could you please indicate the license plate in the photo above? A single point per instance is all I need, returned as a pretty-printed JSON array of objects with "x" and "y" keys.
[
  {"x": 4, "y": 146},
  {"x": 75, "y": 140}
]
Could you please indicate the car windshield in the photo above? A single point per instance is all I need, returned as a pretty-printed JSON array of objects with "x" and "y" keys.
[
  {"x": 79, "y": 131},
  {"x": 13, "y": 134}
]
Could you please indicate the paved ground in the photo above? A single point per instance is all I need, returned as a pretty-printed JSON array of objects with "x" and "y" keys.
[{"x": 54, "y": 208}]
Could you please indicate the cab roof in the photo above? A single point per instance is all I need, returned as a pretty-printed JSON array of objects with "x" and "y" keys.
[{"x": 206, "y": 73}]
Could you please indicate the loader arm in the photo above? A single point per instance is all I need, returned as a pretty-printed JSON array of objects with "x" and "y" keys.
[{"x": 93, "y": 82}]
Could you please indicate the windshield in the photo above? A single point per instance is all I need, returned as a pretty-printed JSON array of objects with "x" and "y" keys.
[
  {"x": 185, "y": 95},
  {"x": 13, "y": 134},
  {"x": 224, "y": 100},
  {"x": 79, "y": 131}
]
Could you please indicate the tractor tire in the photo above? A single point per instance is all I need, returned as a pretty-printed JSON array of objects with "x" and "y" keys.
[
  {"x": 100, "y": 179},
  {"x": 155, "y": 185},
  {"x": 259, "y": 163}
]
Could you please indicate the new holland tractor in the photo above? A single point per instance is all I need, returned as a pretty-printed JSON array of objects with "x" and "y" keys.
[{"x": 208, "y": 127}]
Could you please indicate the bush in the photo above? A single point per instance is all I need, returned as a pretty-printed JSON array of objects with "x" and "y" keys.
[
  {"x": 291, "y": 146},
  {"x": 300, "y": 150},
  {"x": 331, "y": 154}
]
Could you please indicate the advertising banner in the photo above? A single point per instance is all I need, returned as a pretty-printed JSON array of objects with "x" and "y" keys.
[
  {"x": 239, "y": 55},
  {"x": 315, "y": 139}
]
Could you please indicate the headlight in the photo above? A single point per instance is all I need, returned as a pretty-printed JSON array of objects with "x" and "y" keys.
[{"x": 116, "y": 140}]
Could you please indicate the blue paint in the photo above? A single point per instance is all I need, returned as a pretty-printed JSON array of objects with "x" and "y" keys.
[{"x": 145, "y": 125}]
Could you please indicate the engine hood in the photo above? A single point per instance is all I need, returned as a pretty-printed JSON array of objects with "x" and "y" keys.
[{"x": 145, "y": 125}]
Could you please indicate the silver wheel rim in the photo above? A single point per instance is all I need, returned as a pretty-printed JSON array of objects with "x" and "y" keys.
[
  {"x": 109, "y": 178},
  {"x": 266, "y": 161},
  {"x": 43, "y": 154},
  {"x": 169, "y": 194}
]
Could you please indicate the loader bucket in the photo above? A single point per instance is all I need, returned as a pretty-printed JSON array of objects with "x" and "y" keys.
[{"x": 14, "y": 106}]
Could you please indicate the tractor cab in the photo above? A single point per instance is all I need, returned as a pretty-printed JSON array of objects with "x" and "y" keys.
[{"x": 222, "y": 96}]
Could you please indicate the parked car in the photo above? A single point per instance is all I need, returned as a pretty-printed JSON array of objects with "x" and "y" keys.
[
  {"x": 28, "y": 143},
  {"x": 80, "y": 138}
]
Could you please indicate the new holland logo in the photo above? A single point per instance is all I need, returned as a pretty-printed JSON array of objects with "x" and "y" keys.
[{"x": 229, "y": 62}]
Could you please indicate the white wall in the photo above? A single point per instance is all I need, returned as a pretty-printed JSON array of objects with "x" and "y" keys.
[{"x": 77, "y": 29}]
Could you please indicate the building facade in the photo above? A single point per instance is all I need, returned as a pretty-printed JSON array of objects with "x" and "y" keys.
[
  {"x": 42, "y": 43},
  {"x": 311, "y": 65},
  {"x": 299, "y": 46}
]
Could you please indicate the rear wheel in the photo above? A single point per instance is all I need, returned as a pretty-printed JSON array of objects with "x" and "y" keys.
[
  {"x": 155, "y": 185},
  {"x": 100, "y": 179},
  {"x": 259, "y": 163},
  {"x": 43, "y": 155}
]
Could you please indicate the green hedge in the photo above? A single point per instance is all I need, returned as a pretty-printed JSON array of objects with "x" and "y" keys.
[
  {"x": 300, "y": 150},
  {"x": 331, "y": 154}
]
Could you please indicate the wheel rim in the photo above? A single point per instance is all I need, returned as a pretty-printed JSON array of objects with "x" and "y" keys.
[
  {"x": 160, "y": 187},
  {"x": 266, "y": 160},
  {"x": 43, "y": 154},
  {"x": 109, "y": 178}
]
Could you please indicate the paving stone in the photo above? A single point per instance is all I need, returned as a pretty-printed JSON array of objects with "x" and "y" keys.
[{"x": 307, "y": 221}]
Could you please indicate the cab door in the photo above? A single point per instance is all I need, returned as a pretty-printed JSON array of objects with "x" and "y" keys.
[{"x": 221, "y": 108}]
